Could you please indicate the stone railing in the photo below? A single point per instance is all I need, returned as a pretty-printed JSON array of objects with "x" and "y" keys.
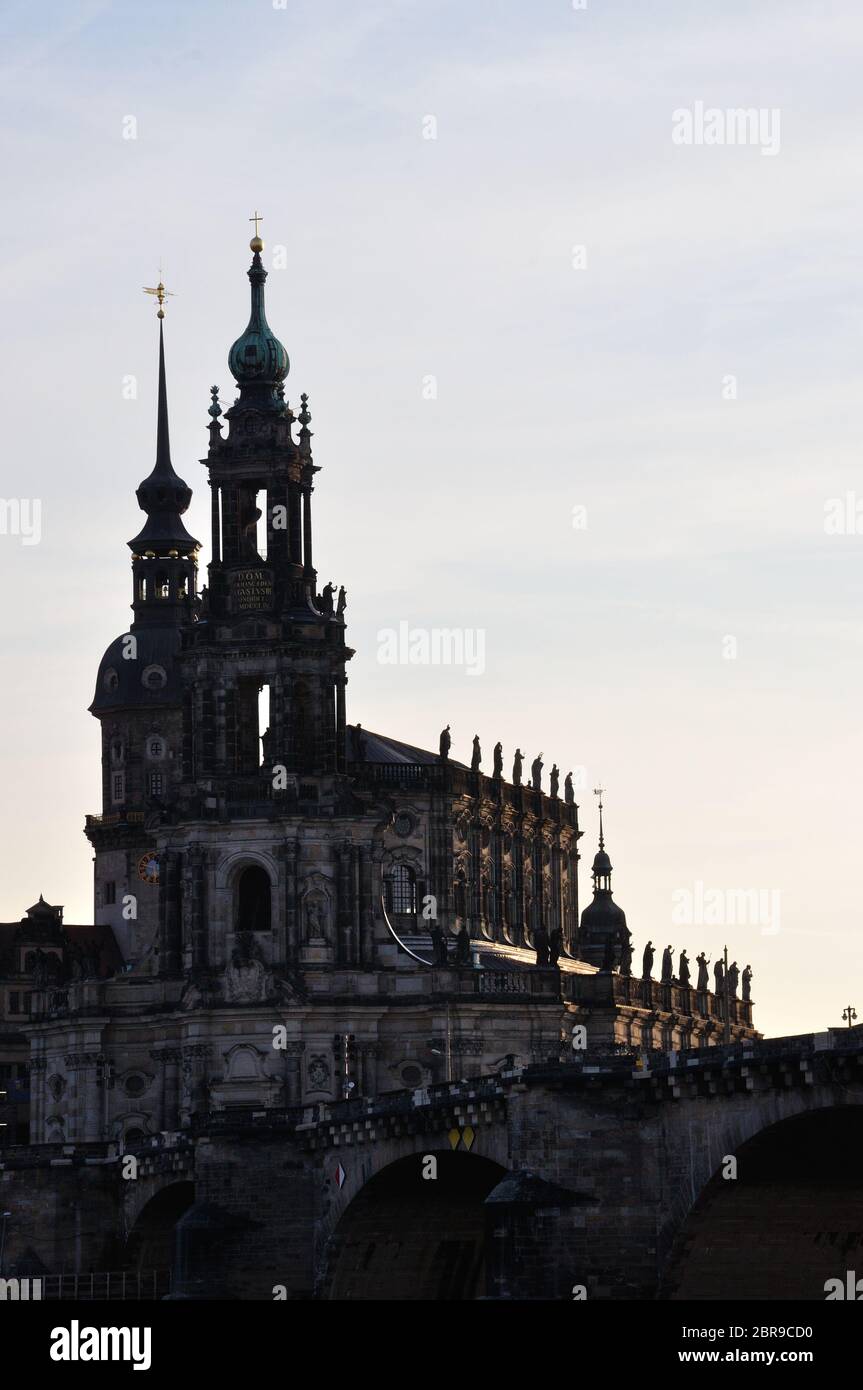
[{"x": 609, "y": 987}]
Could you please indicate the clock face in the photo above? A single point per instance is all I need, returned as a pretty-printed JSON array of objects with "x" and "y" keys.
[{"x": 148, "y": 867}]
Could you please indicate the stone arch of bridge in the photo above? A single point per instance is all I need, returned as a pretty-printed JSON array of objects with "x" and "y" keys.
[
  {"x": 417, "y": 1229},
  {"x": 152, "y": 1212},
  {"x": 781, "y": 1212}
]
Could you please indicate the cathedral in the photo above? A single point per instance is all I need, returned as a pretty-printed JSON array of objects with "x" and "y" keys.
[{"x": 301, "y": 910}]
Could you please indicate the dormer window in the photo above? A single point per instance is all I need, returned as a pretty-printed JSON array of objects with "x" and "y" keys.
[
  {"x": 110, "y": 680},
  {"x": 155, "y": 748}
]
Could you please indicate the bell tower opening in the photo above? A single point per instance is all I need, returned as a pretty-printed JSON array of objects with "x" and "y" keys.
[{"x": 254, "y": 900}]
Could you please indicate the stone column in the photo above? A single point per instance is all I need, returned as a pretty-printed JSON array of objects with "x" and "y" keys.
[
  {"x": 169, "y": 913},
  {"x": 38, "y": 1099},
  {"x": 292, "y": 924},
  {"x": 367, "y": 927},
  {"x": 343, "y": 910},
  {"x": 369, "y": 1053},
  {"x": 307, "y": 528},
  {"x": 294, "y": 1061},
  {"x": 197, "y": 917},
  {"x": 214, "y": 522}
]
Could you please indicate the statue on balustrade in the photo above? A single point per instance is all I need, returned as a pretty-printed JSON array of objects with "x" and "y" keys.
[
  {"x": 498, "y": 760},
  {"x": 568, "y": 793},
  {"x": 540, "y": 941},
  {"x": 536, "y": 773},
  {"x": 439, "y": 944},
  {"x": 555, "y": 946},
  {"x": 683, "y": 971},
  {"x": 462, "y": 946},
  {"x": 718, "y": 979},
  {"x": 626, "y": 955},
  {"x": 703, "y": 976},
  {"x": 445, "y": 742},
  {"x": 747, "y": 984},
  {"x": 476, "y": 756},
  {"x": 733, "y": 979},
  {"x": 517, "y": 764},
  {"x": 647, "y": 961},
  {"x": 554, "y": 780},
  {"x": 667, "y": 966}
]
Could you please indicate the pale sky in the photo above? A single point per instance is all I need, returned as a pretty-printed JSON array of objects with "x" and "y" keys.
[{"x": 557, "y": 387}]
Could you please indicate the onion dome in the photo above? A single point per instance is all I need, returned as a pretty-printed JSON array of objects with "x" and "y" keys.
[
  {"x": 257, "y": 358},
  {"x": 163, "y": 495}
]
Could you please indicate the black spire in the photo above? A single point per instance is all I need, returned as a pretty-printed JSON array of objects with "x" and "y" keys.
[
  {"x": 164, "y": 555},
  {"x": 163, "y": 495}
]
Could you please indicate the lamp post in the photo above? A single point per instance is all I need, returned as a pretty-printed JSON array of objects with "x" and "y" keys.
[{"x": 850, "y": 1014}]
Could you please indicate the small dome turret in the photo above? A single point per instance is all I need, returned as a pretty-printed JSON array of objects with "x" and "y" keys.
[{"x": 257, "y": 358}]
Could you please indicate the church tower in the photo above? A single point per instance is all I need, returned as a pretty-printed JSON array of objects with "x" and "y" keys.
[
  {"x": 138, "y": 700},
  {"x": 264, "y": 665}
]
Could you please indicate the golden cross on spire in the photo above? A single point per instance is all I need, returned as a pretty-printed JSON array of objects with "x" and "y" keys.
[
  {"x": 160, "y": 292},
  {"x": 256, "y": 219}
]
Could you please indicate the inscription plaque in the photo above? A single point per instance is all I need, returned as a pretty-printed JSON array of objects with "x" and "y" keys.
[{"x": 252, "y": 588}]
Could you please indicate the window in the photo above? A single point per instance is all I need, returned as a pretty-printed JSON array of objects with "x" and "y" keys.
[
  {"x": 401, "y": 891},
  {"x": 155, "y": 782},
  {"x": 14, "y": 1002},
  {"x": 253, "y": 900},
  {"x": 117, "y": 751},
  {"x": 110, "y": 680},
  {"x": 110, "y": 893},
  {"x": 155, "y": 748},
  {"x": 135, "y": 1085},
  {"x": 118, "y": 787},
  {"x": 163, "y": 589}
]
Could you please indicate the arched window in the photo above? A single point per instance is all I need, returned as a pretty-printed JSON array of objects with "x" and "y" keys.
[
  {"x": 163, "y": 588},
  {"x": 253, "y": 900},
  {"x": 401, "y": 891}
]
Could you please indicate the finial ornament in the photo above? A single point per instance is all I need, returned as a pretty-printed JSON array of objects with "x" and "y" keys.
[
  {"x": 600, "y": 792},
  {"x": 215, "y": 409},
  {"x": 161, "y": 294},
  {"x": 256, "y": 244}
]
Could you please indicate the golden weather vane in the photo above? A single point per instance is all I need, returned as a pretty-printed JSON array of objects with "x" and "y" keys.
[{"x": 160, "y": 292}]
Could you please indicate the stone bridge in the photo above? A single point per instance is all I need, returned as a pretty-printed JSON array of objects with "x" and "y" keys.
[{"x": 629, "y": 1177}]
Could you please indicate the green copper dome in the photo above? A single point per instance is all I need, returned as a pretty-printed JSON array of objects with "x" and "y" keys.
[{"x": 257, "y": 358}]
